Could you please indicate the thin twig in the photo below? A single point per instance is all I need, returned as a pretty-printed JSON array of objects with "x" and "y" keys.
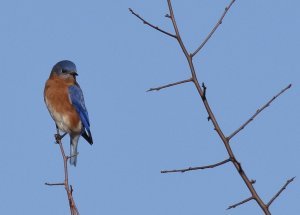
[
  {"x": 152, "y": 26},
  {"x": 170, "y": 85},
  {"x": 240, "y": 203},
  {"x": 280, "y": 191},
  {"x": 214, "y": 29},
  {"x": 69, "y": 189},
  {"x": 177, "y": 34},
  {"x": 197, "y": 168},
  {"x": 257, "y": 112},
  {"x": 54, "y": 184},
  {"x": 72, "y": 204}
]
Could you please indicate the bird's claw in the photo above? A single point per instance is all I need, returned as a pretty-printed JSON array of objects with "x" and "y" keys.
[{"x": 58, "y": 138}]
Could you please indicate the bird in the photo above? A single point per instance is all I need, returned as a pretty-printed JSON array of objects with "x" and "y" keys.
[{"x": 65, "y": 102}]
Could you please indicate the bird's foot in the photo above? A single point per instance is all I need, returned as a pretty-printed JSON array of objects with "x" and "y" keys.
[{"x": 59, "y": 137}]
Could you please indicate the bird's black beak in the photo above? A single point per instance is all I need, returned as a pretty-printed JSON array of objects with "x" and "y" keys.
[{"x": 74, "y": 73}]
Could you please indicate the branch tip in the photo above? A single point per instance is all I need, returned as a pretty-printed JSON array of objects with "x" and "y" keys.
[
  {"x": 54, "y": 184},
  {"x": 219, "y": 22},
  {"x": 196, "y": 168},
  {"x": 240, "y": 203},
  {"x": 280, "y": 191},
  {"x": 258, "y": 111},
  {"x": 169, "y": 85},
  {"x": 151, "y": 25}
]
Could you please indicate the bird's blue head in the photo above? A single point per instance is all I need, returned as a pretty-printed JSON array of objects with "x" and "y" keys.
[{"x": 65, "y": 69}]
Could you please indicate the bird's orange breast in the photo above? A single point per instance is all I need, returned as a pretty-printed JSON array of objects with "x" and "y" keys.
[{"x": 56, "y": 96}]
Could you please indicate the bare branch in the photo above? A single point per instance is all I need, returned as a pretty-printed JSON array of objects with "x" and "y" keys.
[
  {"x": 240, "y": 203},
  {"x": 214, "y": 29},
  {"x": 258, "y": 111},
  {"x": 197, "y": 168},
  {"x": 211, "y": 117},
  {"x": 54, "y": 184},
  {"x": 178, "y": 37},
  {"x": 170, "y": 85},
  {"x": 152, "y": 26},
  {"x": 69, "y": 189},
  {"x": 280, "y": 191}
]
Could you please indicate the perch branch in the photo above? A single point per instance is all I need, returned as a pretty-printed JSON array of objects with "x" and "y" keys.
[
  {"x": 214, "y": 29},
  {"x": 197, "y": 168},
  {"x": 149, "y": 24},
  {"x": 257, "y": 112},
  {"x": 68, "y": 188},
  {"x": 170, "y": 85}
]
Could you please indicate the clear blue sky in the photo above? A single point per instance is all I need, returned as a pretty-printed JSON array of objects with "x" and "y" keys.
[{"x": 253, "y": 55}]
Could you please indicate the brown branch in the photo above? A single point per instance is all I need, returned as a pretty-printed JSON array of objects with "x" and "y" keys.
[
  {"x": 177, "y": 34},
  {"x": 149, "y": 24},
  {"x": 280, "y": 191},
  {"x": 240, "y": 203},
  {"x": 212, "y": 118},
  {"x": 196, "y": 168},
  {"x": 68, "y": 188},
  {"x": 257, "y": 112},
  {"x": 189, "y": 57},
  {"x": 170, "y": 85},
  {"x": 214, "y": 29}
]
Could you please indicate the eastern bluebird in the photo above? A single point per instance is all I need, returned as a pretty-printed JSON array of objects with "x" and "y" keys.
[{"x": 65, "y": 102}]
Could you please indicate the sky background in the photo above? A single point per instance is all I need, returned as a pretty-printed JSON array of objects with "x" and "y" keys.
[{"x": 251, "y": 57}]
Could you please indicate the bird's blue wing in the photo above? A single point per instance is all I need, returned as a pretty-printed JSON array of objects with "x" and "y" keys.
[{"x": 76, "y": 97}]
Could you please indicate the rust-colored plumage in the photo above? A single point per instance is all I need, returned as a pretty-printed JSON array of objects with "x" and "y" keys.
[{"x": 57, "y": 98}]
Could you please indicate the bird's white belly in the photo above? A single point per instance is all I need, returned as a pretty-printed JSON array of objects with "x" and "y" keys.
[{"x": 63, "y": 121}]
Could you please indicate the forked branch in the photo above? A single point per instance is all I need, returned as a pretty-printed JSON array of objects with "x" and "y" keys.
[
  {"x": 202, "y": 93},
  {"x": 214, "y": 29}
]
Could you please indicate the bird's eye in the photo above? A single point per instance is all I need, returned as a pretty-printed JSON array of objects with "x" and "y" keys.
[{"x": 64, "y": 71}]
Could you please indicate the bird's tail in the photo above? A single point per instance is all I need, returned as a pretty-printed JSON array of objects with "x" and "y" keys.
[{"x": 73, "y": 149}]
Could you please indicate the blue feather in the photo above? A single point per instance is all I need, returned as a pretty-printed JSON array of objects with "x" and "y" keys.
[{"x": 77, "y": 100}]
